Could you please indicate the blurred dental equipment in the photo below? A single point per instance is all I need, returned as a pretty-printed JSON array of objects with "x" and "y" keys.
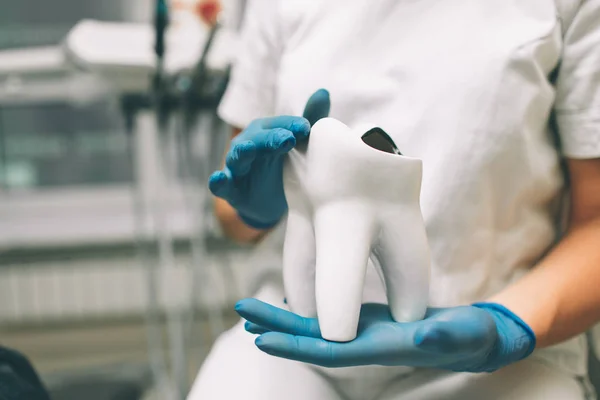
[
  {"x": 176, "y": 68},
  {"x": 178, "y": 85}
]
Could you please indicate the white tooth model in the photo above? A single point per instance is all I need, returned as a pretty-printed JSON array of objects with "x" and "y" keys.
[{"x": 352, "y": 195}]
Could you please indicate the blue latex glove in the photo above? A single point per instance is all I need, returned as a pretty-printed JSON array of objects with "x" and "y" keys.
[
  {"x": 478, "y": 338},
  {"x": 252, "y": 180}
]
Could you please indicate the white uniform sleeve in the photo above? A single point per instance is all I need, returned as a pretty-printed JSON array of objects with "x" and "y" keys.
[
  {"x": 578, "y": 84},
  {"x": 251, "y": 90}
]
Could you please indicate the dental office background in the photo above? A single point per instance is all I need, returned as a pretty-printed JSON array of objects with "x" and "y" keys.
[{"x": 114, "y": 277}]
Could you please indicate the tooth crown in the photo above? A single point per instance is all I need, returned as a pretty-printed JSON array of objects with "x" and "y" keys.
[
  {"x": 337, "y": 165},
  {"x": 347, "y": 202}
]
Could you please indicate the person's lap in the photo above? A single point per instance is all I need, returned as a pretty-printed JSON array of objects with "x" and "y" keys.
[{"x": 236, "y": 369}]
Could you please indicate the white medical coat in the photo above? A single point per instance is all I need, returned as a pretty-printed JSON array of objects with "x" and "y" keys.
[{"x": 489, "y": 94}]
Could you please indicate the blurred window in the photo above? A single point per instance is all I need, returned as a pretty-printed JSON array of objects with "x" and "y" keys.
[{"x": 60, "y": 145}]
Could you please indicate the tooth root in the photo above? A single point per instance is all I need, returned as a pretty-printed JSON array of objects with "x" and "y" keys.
[
  {"x": 299, "y": 246},
  {"x": 402, "y": 251},
  {"x": 299, "y": 264},
  {"x": 344, "y": 233}
]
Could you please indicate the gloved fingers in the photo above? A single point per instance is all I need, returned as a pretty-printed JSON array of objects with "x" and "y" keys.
[
  {"x": 220, "y": 184},
  {"x": 240, "y": 157},
  {"x": 255, "y": 328},
  {"x": 380, "y": 347},
  {"x": 274, "y": 141},
  {"x": 276, "y": 319},
  {"x": 318, "y": 351},
  {"x": 297, "y": 348},
  {"x": 298, "y": 126},
  {"x": 317, "y": 106}
]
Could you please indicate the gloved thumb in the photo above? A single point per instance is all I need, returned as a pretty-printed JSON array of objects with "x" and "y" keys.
[
  {"x": 438, "y": 338},
  {"x": 317, "y": 106},
  {"x": 460, "y": 333}
]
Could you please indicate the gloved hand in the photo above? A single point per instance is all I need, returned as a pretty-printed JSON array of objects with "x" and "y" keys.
[
  {"x": 252, "y": 180},
  {"x": 478, "y": 338}
]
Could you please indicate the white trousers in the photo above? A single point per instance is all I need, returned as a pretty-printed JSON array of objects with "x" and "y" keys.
[{"x": 236, "y": 369}]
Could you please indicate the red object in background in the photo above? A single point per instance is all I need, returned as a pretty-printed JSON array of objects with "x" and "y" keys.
[{"x": 208, "y": 11}]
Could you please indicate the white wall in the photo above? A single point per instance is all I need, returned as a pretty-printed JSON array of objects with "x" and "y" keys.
[{"x": 91, "y": 289}]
